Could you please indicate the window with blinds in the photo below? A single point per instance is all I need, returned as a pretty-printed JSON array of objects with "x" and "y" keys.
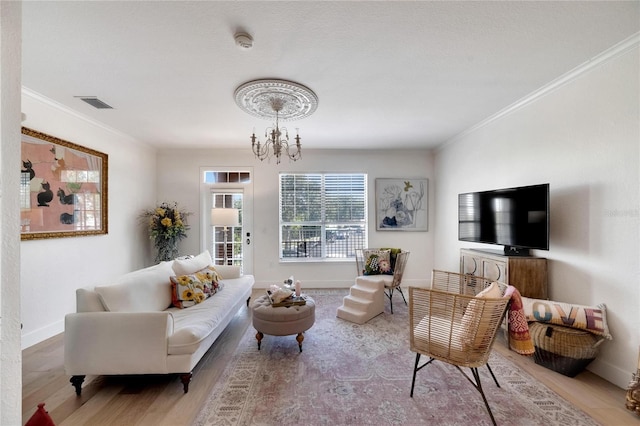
[{"x": 322, "y": 215}]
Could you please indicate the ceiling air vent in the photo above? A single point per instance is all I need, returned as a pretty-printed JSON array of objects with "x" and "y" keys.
[{"x": 95, "y": 102}]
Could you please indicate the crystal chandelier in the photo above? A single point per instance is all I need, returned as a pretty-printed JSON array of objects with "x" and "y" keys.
[
  {"x": 277, "y": 139},
  {"x": 278, "y": 100}
]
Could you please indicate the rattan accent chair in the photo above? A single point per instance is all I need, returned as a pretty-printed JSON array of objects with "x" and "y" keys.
[
  {"x": 455, "y": 322},
  {"x": 393, "y": 281}
]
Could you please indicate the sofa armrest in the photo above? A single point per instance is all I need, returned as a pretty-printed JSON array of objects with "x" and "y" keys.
[{"x": 116, "y": 342}]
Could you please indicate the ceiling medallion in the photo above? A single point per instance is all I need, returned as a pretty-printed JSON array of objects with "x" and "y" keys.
[
  {"x": 256, "y": 98},
  {"x": 276, "y": 100}
]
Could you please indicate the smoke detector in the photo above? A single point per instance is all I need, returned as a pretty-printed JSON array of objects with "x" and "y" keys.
[{"x": 244, "y": 40}]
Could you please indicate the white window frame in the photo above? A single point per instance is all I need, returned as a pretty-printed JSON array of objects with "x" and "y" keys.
[{"x": 323, "y": 223}]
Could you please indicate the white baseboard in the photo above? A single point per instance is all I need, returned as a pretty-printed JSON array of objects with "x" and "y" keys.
[
  {"x": 307, "y": 284},
  {"x": 317, "y": 284},
  {"x": 610, "y": 373},
  {"x": 37, "y": 336}
]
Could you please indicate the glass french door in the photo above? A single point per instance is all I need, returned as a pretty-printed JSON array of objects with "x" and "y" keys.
[
  {"x": 228, "y": 188},
  {"x": 227, "y": 242}
]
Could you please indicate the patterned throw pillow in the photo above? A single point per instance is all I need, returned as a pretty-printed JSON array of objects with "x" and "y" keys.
[
  {"x": 189, "y": 290},
  {"x": 393, "y": 255},
  {"x": 377, "y": 262}
]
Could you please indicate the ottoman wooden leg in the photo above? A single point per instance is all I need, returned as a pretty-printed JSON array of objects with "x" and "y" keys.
[
  {"x": 300, "y": 339},
  {"x": 259, "y": 337}
]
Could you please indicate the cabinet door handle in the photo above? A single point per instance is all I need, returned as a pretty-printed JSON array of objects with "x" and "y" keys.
[{"x": 464, "y": 266}]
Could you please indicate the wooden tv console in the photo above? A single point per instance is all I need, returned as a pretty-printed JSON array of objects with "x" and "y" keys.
[{"x": 526, "y": 273}]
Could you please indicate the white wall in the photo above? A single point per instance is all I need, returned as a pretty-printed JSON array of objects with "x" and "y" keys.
[
  {"x": 10, "y": 354},
  {"x": 179, "y": 180},
  {"x": 583, "y": 138},
  {"x": 51, "y": 270}
]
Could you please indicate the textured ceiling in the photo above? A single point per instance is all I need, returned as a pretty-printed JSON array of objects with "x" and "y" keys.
[{"x": 388, "y": 74}]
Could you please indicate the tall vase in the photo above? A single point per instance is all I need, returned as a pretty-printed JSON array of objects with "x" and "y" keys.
[{"x": 167, "y": 248}]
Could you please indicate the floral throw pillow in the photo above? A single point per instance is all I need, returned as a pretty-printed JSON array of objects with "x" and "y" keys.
[
  {"x": 377, "y": 262},
  {"x": 189, "y": 290},
  {"x": 393, "y": 253},
  {"x": 210, "y": 278}
]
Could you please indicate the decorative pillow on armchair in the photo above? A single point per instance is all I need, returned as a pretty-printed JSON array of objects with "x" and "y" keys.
[
  {"x": 377, "y": 262},
  {"x": 393, "y": 254},
  {"x": 473, "y": 329}
]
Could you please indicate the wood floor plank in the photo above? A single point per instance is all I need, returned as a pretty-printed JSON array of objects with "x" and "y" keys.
[
  {"x": 65, "y": 402},
  {"x": 48, "y": 391},
  {"x": 600, "y": 399},
  {"x": 92, "y": 404}
]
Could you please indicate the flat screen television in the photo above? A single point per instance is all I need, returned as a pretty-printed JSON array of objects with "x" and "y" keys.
[{"x": 517, "y": 218}]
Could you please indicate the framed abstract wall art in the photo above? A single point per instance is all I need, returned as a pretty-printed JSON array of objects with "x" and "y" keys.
[
  {"x": 402, "y": 204},
  {"x": 63, "y": 188}
]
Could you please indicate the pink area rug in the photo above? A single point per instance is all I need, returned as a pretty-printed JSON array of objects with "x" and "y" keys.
[{"x": 351, "y": 374}]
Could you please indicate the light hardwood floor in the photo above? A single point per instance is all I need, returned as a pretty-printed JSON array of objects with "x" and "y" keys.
[{"x": 159, "y": 400}]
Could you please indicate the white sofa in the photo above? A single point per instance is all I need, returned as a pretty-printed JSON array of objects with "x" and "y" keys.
[{"x": 130, "y": 327}]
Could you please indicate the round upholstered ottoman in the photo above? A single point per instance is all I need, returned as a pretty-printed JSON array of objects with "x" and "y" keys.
[{"x": 283, "y": 320}]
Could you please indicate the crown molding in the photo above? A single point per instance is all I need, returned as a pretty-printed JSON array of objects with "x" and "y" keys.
[
  {"x": 75, "y": 114},
  {"x": 613, "y": 52}
]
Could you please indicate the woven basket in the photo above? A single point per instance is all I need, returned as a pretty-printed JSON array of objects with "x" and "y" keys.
[{"x": 565, "y": 350}]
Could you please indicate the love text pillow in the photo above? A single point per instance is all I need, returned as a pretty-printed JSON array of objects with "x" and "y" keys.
[{"x": 589, "y": 318}]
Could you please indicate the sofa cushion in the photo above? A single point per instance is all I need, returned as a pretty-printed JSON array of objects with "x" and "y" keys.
[
  {"x": 226, "y": 272},
  {"x": 438, "y": 336},
  {"x": 192, "y": 265},
  {"x": 193, "y": 325},
  {"x": 145, "y": 290},
  {"x": 88, "y": 300}
]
